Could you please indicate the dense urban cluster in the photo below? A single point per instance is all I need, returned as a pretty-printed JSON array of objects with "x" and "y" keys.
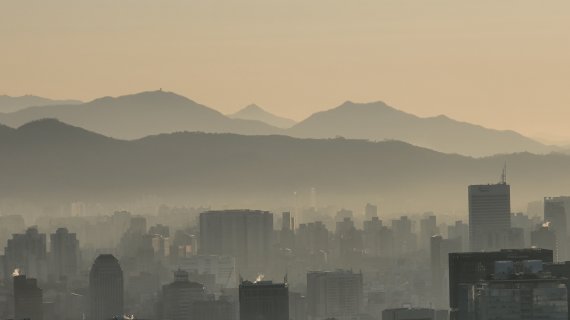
[{"x": 309, "y": 263}]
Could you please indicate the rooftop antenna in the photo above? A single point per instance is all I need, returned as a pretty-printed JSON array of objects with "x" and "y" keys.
[{"x": 504, "y": 174}]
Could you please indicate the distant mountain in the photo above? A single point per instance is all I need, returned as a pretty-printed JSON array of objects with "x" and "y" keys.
[
  {"x": 49, "y": 161},
  {"x": 254, "y": 112},
  {"x": 138, "y": 115},
  {"x": 378, "y": 121},
  {"x": 11, "y": 104},
  {"x": 149, "y": 113}
]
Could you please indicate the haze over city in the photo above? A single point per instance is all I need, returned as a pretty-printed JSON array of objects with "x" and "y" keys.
[{"x": 284, "y": 160}]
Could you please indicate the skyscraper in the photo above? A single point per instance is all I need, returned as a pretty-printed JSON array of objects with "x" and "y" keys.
[
  {"x": 64, "y": 253},
  {"x": 244, "y": 234},
  {"x": 555, "y": 214},
  {"x": 439, "y": 261},
  {"x": 106, "y": 288},
  {"x": 337, "y": 294},
  {"x": 27, "y": 252},
  {"x": 27, "y": 298},
  {"x": 489, "y": 216},
  {"x": 179, "y": 296},
  {"x": 263, "y": 300}
]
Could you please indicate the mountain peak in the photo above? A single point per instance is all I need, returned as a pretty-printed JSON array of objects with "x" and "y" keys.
[
  {"x": 146, "y": 97},
  {"x": 255, "y": 112}
]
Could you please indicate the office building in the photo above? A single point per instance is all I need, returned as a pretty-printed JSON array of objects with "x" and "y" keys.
[
  {"x": 470, "y": 267},
  {"x": 518, "y": 291},
  {"x": 27, "y": 252},
  {"x": 334, "y": 294},
  {"x": 179, "y": 296},
  {"x": 556, "y": 216},
  {"x": 459, "y": 230},
  {"x": 428, "y": 228},
  {"x": 106, "y": 288},
  {"x": 27, "y": 298},
  {"x": 64, "y": 254},
  {"x": 439, "y": 262},
  {"x": 246, "y": 235},
  {"x": 489, "y": 216},
  {"x": 263, "y": 300},
  {"x": 544, "y": 237}
]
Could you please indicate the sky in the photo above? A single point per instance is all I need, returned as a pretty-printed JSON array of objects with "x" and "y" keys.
[{"x": 501, "y": 64}]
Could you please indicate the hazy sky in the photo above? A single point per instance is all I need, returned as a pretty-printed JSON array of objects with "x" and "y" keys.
[{"x": 499, "y": 63}]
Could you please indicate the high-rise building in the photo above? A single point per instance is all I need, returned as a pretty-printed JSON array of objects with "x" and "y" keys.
[
  {"x": 313, "y": 237},
  {"x": 405, "y": 241},
  {"x": 27, "y": 298},
  {"x": 439, "y": 262},
  {"x": 245, "y": 234},
  {"x": 489, "y": 216},
  {"x": 460, "y": 231},
  {"x": 555, "y": 213},
  {"x": 179, "y": 296},
  {"x": 27, "y": 252},
  {"x": 518, "y": 291},
  {"x": 470, "y": 267},
  {"x": 544, "y": 237},
  {"x": 287, "y": 234},
  {"x": 370, "y": 211},
  {"x": 106, "y": 288},
  {"x": 263, "y": 300},
  {"x": 377, "y": 239},
  {"x": 428, "y": 228},
  {"x": 334, "y": 294},
  {"x": 64, "y": 254}
]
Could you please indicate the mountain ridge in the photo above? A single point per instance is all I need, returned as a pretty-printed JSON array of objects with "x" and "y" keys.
[
  {"x": 15, "y": 103},
  {"x": 39, "y": 163},
  {"x": 154, "y": 112}
]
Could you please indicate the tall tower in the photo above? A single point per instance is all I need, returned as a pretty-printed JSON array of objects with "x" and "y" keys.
[
  {"x": 64, "y": 253},
  {"x": 489, "y": 215},
  {"x": 180, "y": 295},
  {"x": 106, "y": 288}
]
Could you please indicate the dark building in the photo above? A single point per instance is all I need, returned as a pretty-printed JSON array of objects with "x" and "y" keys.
[
  {"x": 64, "y": 253},
  {"x": 263, "y": 300},
  {"x": 470, "y": 267},
  {"x": 27, "y": 298},
  {"x": 544, "y": 237},
  {"x": 245, "y": 234},
  {"x": 213, "y": 310},
  {"x": 105, "y": 288},
  {"x": 556, "y": 216},
  {"x": 489, "y": 216}
]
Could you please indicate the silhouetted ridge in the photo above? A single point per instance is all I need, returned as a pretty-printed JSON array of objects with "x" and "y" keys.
[
  {"x": 138, "y": 115},
  {"x": 49, "y": 159},
  {"x": 379, "y": 121}
]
